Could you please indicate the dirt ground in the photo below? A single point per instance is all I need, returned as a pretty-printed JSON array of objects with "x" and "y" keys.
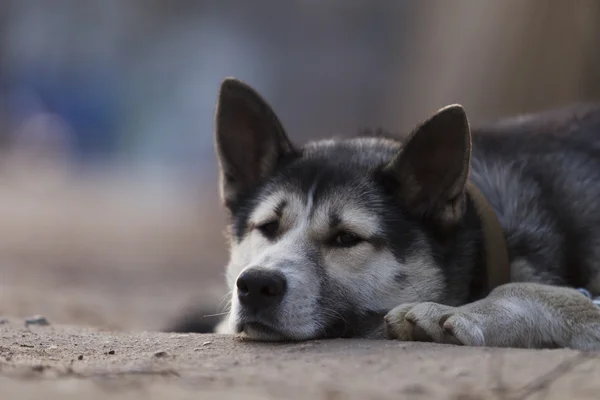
[
  {"x": 110, "y": 264},
  {"x": 69, "y": 362}
]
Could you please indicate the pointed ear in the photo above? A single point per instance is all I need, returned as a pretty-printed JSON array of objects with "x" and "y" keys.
[
  {"x": 429, "y": 173},
  {"x": 249, "y": 140}
]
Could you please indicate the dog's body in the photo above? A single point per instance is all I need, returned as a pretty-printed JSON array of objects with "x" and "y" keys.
[{"x": 377, "y": 236}]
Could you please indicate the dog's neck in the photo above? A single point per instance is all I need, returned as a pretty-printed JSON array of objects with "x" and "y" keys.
[{"x": 496, "y": 261}]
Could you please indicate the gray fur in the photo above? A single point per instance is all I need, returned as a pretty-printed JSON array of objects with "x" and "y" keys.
[{"x": 416, "y": 253}]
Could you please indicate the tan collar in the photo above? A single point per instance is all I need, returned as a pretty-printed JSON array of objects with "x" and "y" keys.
[{"x": 495, "y": 250}]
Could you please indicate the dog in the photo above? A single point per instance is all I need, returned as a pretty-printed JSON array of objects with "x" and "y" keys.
[{"x": 476, "y": 237}]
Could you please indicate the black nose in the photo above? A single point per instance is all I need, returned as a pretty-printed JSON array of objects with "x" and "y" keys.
[{"x": 259, "y": 288}]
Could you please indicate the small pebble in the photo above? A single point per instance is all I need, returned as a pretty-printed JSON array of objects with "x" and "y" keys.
[
  {"x": 160, "y": 354},
  {"x": 110, "y": 353},
  {"x": 206, "y": 343},
  {"x": 80, "y": 357},
  {"x": 37, "y": 320}
]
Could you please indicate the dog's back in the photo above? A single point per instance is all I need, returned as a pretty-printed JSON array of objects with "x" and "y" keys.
[{"x": 541, "y": 173}]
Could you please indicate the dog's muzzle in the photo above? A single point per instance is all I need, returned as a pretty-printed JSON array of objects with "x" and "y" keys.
[{"x": 260, "y": 292}]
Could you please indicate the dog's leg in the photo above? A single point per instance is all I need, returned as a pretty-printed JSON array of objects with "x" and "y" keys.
[{"x": 526, "y": 315}]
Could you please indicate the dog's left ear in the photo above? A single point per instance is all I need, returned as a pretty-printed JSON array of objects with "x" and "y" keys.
[{"x": 430, "y": 172}]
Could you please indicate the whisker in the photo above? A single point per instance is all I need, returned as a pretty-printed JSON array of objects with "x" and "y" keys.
[
  {"x": 226, "y": 307},
  {"x": 335, "y": 314},
  {"x": 215, "y": 315},
  {"x": 227, "y": 299}
]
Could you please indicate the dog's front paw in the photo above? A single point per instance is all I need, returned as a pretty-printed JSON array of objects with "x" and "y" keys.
[
  {"x": 396, "y": 325},
  {"x": 424, "y": 322},
  {"x": 432, "y": 322},
  {"x": 462, "y": 328}
]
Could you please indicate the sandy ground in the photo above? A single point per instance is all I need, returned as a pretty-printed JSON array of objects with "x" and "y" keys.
[
  {"x": 74, "y": 363},
  {"x": 110, "y": 263}
]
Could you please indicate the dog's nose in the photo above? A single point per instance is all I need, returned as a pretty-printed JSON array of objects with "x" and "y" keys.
[{"x": 259, "y": 288}]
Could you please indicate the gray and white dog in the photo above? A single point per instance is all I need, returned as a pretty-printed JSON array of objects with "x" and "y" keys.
[{"x": 382, "y": 236}]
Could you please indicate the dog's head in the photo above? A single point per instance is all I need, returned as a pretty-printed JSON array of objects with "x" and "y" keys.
[{"x": 326, "y": 238}]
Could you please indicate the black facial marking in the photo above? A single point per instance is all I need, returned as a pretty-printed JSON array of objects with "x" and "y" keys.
[
  {"x": 239, "y": 220},
  {"x": 334, "y": 220},
  {"x": 378, "y": 241},
  {"x": 280, "y": 207}
]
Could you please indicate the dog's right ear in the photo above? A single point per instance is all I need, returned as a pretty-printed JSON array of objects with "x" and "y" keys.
[{"x": 250, "y": 140}]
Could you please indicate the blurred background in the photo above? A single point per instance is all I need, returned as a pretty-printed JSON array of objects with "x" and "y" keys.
[{"x": 109, "y": 212}]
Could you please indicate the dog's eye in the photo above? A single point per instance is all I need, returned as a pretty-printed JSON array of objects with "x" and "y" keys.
[
  {"x": 269, "y": 229},
  {"x": 346, "y": 239}
]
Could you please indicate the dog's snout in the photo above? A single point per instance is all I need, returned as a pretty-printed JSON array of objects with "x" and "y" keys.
[{"x": 260, "y": 288}]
